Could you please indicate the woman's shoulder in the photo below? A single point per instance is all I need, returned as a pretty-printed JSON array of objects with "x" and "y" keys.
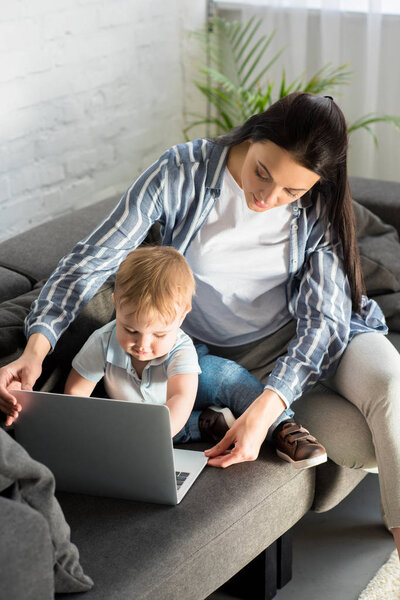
[{"x": 200, "y": 150}]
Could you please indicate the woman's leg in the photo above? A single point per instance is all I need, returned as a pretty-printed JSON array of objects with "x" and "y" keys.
[{"x": 369, "y": 377}]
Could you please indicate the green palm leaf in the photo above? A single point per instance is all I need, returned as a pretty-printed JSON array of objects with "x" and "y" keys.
[
  {"x": 235, "y": 81},
  {"x": 369, "y": 119}
]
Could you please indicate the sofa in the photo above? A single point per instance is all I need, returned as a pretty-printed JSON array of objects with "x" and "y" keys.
[{"x": 233, "y": 527}]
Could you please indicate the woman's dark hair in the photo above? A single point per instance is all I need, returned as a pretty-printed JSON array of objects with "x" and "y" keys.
[{"x": 314, "y": 131}]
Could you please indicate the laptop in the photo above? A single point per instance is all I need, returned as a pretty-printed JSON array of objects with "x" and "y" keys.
[{"x": 106, "y": 447}]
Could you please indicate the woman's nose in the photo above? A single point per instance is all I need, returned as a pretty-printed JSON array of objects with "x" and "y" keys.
[{"x": 270, "y": 194}]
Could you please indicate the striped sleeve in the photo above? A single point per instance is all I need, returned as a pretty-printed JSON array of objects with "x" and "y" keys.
[
  {"x": 322, "y": 307},
  {"x": 80, "y": 273}
]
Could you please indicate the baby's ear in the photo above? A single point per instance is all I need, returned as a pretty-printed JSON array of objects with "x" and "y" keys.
[{"x": 185, "y": 312}]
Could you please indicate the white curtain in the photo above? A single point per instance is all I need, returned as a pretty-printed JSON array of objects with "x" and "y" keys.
[{"x": 368, "y": 40}]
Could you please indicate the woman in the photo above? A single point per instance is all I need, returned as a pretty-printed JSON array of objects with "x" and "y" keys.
[{"x": 264, "y": 210}]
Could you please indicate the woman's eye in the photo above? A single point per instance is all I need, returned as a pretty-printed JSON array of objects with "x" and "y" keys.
[
  {"x": 290, "y": 194},
  {"x": 129, "y": 331},
  {"x": 261, "y": 176},
  {"x": 161, "y": 335}
]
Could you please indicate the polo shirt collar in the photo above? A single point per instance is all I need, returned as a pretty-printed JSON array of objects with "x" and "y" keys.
[{"x": 119, "y": 358}]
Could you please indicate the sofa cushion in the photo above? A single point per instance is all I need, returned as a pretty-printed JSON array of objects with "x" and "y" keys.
[
  {"x": 381, "y": 197},
  {"x": 379, "y": 249},
  {"x": 99, "y": 310},
  {"x": 12, "y": 284},
  {"x": 333, "y": 484},
  {"x": 151, "y": 552}
]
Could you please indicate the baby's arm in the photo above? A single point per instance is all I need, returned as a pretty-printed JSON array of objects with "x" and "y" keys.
[
  {"x": 76, "y": 385},
  {"x": 181, "y": 394}
]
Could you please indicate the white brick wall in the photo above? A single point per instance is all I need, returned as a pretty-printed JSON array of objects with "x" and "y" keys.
[{"x": 91, "y": 92}]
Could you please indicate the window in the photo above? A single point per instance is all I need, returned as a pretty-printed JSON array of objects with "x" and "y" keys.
[{"x": 386, "y": 6}]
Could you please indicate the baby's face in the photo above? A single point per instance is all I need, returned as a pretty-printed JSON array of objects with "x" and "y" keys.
[{"x": 145, "y": 340}]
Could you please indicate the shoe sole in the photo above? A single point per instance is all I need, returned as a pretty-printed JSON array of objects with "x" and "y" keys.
[{"x": 307, "y": 463}]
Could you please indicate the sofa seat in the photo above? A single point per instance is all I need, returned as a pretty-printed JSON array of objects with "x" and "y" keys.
[{"x": 227, "y": 519}]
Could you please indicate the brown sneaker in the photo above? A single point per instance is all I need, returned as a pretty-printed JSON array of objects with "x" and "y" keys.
[
  {"x": 214, "y": 422},
  {"x": 297, "y": 446}
]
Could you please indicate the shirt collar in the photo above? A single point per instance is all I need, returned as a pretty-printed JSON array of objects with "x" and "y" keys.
[
  {"x": 304, "y": 202},
  {"x": 115, "y": 354},
  {"x": 216, "y": 166},
  {"x": 118, "y": 357}
]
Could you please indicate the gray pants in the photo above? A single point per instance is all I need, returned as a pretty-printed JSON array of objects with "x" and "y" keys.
[{"x": 368, "y": 378}]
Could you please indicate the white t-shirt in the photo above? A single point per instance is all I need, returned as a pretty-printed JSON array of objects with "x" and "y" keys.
[
  {"x": 102, "y": 356},
  {"x": 240, "y": 260}
]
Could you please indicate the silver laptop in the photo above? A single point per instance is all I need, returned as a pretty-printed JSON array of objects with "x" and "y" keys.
[{"x": 106, "y": 447}]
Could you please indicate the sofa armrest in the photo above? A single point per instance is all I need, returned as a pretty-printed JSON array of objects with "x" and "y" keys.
[
  {"x": 381, "y": 197},
  {"x": 36, "y": 252},
  {"x": 26, "y": 553}
]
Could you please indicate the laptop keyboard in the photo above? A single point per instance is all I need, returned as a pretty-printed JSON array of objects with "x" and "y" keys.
[{"x": 181, "y": 477}]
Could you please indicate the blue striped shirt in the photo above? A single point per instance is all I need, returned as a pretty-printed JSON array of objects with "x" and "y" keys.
[{"x": 178, "y": 191}]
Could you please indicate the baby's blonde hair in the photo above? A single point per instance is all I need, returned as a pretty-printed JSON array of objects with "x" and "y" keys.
[{"x": 156, "y": 281}]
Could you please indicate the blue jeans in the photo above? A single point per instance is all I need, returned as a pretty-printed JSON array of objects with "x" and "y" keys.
[{"x": 222, "y": 382}]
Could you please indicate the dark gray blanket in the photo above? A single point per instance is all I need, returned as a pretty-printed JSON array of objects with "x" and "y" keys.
[{"x": 28, "y": 481}]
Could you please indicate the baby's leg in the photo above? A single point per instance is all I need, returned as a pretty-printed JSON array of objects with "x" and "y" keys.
[{"x": 222, "y": 383}]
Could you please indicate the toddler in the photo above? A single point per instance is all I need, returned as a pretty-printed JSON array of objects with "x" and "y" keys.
[{"x": 143, "y": 355}]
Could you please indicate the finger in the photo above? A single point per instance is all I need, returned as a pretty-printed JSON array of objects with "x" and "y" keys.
[
  {"x": 11, "y": 419},
  {"x": 27, "y": 385},
  {"x": 10, "y": 412},
  {"x": 6, "y": 396},
  {"x": 225, "y": 460},
  {"x": 8, "y": 407},
  {"x": 222, "y": 446}
]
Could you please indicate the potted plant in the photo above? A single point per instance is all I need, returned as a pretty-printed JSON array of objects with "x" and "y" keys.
[{"x": 239, "y": 86}]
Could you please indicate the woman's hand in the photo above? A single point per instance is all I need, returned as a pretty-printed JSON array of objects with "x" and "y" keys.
[
  {"x": 22, "y": 374},
  {"x": 248, "y": 432}
]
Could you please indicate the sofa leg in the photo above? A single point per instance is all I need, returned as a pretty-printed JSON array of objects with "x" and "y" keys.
[
  {"x": 284, "y": 556},
  {"x": 269, "y": 571}
]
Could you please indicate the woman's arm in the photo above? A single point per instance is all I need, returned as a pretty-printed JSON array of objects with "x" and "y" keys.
[
  {"x": 76, "y": 385},
  {"x": 321, "y": 304},
  {"x": 95, "y": 258},
  {"x": 181, "y": 394},
  {"x": 22, "y": 374}
]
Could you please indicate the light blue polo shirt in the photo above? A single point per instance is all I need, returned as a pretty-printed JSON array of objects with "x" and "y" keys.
[{"x": 102, "y": 356}]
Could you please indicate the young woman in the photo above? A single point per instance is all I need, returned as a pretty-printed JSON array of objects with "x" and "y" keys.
[{"x": 264, "y": 218}]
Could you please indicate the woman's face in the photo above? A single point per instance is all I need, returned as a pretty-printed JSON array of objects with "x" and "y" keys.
[{"x": 270, "y": 177}]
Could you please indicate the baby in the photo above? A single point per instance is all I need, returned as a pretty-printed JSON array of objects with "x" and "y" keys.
[{"x": 143, "y": 354}]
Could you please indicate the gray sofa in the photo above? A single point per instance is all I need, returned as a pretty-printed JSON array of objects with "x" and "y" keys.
[{"x": 234, "y": 523}]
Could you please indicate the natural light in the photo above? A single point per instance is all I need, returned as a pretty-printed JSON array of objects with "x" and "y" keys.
[{"x": 384, "y": 6}]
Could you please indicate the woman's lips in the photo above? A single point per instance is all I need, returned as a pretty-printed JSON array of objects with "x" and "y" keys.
[{"x": 258, "y": 203}]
